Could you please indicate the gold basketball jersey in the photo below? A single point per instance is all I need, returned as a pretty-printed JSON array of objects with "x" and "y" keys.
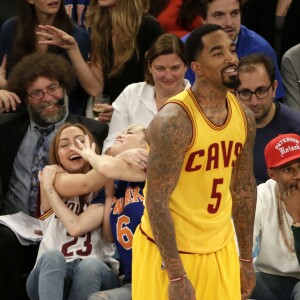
[{"x": 201, "y": 203}]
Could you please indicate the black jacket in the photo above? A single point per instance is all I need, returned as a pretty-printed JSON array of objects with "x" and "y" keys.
[{"x": 13, "y": 127}]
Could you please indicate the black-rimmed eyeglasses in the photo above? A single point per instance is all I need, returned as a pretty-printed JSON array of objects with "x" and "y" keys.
[{"x": 260, "y": 93}]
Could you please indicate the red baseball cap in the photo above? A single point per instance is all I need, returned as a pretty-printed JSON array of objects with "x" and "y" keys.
[{"x": 282, "y": 149}]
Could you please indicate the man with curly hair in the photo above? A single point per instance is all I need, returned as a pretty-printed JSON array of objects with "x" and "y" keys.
[{"x": 40, "y": 82}]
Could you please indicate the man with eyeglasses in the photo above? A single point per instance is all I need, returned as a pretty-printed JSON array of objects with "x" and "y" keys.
[
  {"x": 257, "y": 90},
  {"x": 41, "y": 82}
]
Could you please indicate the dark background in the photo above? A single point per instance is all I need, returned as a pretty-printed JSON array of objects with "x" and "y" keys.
[{"x": 8, "y": 8}]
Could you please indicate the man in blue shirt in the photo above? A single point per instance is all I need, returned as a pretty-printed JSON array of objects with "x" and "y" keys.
[
  {"x": 227, "y": 14},
  {"x": 257, "y": 90},
  {"x": 42, "y": 82}
]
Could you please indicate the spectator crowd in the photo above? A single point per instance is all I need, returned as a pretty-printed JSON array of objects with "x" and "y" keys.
[{"x": 157, "y": 145}]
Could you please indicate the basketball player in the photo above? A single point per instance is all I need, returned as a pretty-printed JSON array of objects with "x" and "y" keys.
[{"x": 199, "y": 176}]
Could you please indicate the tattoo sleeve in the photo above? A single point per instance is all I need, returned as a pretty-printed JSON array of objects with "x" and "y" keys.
[
  {"x": 243, "y": 191},
  {"x": 169, "y": 135}
]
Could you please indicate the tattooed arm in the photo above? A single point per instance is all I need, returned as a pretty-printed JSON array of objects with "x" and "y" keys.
[
  {"x": 243, "y": 191},
  {"x": 168, "y": 135}
]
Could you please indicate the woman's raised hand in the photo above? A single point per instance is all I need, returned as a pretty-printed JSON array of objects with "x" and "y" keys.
[{"x": 50, "y": 35}]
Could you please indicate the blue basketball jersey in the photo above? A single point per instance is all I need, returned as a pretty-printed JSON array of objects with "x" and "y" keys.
[{"x": 126, "y": 212}]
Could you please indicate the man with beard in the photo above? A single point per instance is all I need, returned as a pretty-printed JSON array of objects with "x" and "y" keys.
[
  {"x": 257, "y": 90},
  {"x": 277, "y": 221},
  {"x": 227, "y": 13},
  {"x": 42, "y": 82},
  {"x": 199, "y": 176}
]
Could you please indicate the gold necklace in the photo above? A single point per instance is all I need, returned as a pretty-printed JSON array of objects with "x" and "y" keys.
[{"x": 289, "y": 246}]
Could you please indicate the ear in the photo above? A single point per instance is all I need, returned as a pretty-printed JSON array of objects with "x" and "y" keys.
[
  {"x": 275, "y": 85},
  {"x": 149, "y": 68},
  {"x": 272, "y": 174},
  {"x": 196, "y": 68}
]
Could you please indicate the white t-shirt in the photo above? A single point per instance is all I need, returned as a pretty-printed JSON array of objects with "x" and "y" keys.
[
  {"x": 135, "y": 105},
  {"x": 55, "y": 236},
  {"x": 273, "y": 255}
]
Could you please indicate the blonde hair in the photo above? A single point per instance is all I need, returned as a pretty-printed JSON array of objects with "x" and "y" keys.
[
  {"x": 134, "y": 128},
  {"x": 125, "y": 19}
]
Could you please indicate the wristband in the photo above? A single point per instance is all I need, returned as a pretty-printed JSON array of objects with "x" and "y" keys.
[
  {"x": 247, "y": 260},
  {"x": 179, "y": 278}
]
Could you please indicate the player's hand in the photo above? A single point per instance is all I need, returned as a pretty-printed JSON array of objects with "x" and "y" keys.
[
  {"x": 248, "y": 280},
  {"x": 181, "y": 290}
]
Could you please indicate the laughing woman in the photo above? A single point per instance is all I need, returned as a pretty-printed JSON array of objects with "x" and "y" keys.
[
  {"x": 123, "y": 205},
  {"x": 73, "y": 259}
]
